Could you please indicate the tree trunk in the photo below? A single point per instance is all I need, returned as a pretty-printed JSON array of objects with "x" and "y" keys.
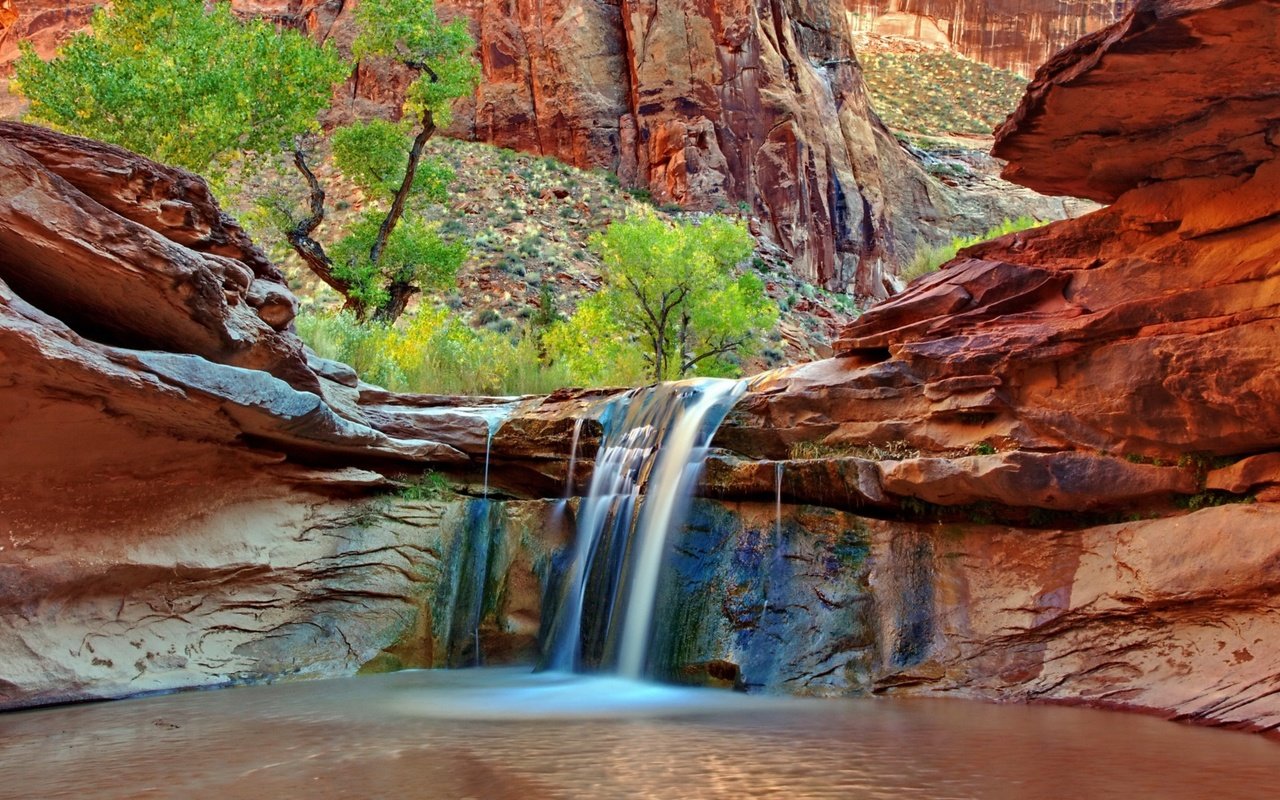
[
  {"x": 308, "y": 249},
  {"x": 406, "y": 186},
  {"x": 399, "y": 292}
]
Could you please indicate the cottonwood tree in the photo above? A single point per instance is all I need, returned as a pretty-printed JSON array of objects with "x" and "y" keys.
[
  {"x": 670, "y": 291},
  {"x": 198, "y": 88},
  {"x": 385, "y": 259},
  {"x": 180, "y": 84}
]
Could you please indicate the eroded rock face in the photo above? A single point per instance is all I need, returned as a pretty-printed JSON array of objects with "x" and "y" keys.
[
  {"x": 1175, "y": 616},
  {"x": 43, "y": 23},
  {"x": 712, "y": 107},
  {"x": 182, "y": 581},
  {"x": 1018, "y": 36},
  {"x": 1120, "y": 108},
  {"x": 164, "y": 230}
]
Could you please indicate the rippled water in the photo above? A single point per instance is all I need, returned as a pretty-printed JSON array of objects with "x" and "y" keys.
[{"x": 496, "y": 734}]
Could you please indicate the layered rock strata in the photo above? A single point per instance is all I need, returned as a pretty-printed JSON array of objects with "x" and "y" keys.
[
  {"x": 1144, "y": 329},
  {"x": 998, "y": 489},
  {"x": 1113, "y": 363},
  {"x": 1018, "y": 36}
]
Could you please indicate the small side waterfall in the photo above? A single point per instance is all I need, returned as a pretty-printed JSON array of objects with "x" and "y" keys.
[
  {"x": 777, "y": 488},
  {"x": 573, "y": 459},
  {"x": 654, "y": 443},
  {"x": 463, "y": 603}
]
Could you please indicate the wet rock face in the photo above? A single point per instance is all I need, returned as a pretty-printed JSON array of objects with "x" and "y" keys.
[
  {"x": 1094, "y": 363},
  {"x": 741, "y": 583},
  {"x": 1018, "y": 36},
  {"x": 1173, "y": 616},
  {"x": 216, "y": 582}
]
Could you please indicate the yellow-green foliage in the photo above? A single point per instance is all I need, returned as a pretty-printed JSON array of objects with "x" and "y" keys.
[
  {"x": 671, "y": 302},
  {"x": 433, "y": 351},
  {"x": 928, "y": 259},
  {"x": 429, "y": 351},
  {"x": 939, "y": 92},
  {"x": 593, "y": 346}
]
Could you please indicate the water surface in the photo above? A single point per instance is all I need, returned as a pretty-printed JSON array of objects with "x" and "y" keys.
[{"x": 503, "y": 734}]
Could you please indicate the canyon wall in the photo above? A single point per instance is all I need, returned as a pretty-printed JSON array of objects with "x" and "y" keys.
[
  {"x": 752, "y": 105},
  {"x": 1050, "y": 471},
  {"x": 1017, "y": 35},
  {"x": 755, "y": 106}
]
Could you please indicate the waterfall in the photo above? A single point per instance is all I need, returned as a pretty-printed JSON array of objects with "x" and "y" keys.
[
  {"x": 573, "y": 458},
  {"x": 777, "y": 488},
  {"x": 654, "y": 443},
  {"x": 461, "y": 603}
]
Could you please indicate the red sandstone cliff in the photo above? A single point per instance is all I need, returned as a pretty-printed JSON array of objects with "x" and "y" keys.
[
  {"x": 1017, "y": 35},
  {"x": 708, "y": 106}
]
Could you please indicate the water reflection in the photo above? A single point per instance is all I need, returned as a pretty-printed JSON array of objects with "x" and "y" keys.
[{"x": 499, "y": 734}]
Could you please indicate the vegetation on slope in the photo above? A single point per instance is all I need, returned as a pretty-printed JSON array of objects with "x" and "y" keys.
[
  {"x": 938, "y": 92},
  {"x": 929, "y": 259},
  {"x": 516, "y": 273},
  {"x": 141, "y": 77},
  {"x": 530, "y": 222}
]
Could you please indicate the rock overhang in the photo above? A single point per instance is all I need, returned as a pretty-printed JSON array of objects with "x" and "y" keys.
[{"x": 1178, "y": 89}]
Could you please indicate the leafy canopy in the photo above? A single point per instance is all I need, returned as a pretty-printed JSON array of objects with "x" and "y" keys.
[
  {"x": 183, "y": 85},
  {"x": 671, "y": 294},
  {"x": 415, "y": 254},
  {"x": 374, "y": 155},
  {"x": 409, "y": 31},
  {"x": 382, "y": 261}
]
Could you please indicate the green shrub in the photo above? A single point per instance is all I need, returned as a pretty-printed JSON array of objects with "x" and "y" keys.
[
  {"x": 929, "y": 259},
  {"x": 427, "y": 486},
  {"x": 433, "y": 351},
  {"x": 671, "y": 297}
]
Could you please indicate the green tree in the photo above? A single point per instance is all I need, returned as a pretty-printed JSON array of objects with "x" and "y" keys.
[
  {"x": 669, "y": 297},
  {"x": 195, "y": 86},
  {"x": 181, "y": 85},
  {"x": 381, "y": 263}
]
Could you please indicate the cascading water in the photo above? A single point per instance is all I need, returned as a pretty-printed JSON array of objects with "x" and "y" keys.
[
  {"x": 654, "y": 443},
  {"x": 573, "y": 458},
  {"x": 463, "y": 603},
  {"x": 775, "y": 550},
  {"x": 777, "y": 488}
]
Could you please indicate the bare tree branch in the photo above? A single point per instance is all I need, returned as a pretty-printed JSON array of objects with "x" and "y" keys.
[
  {"x": 724, "y": 349},
  {"x": 299, "y": 237}
]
